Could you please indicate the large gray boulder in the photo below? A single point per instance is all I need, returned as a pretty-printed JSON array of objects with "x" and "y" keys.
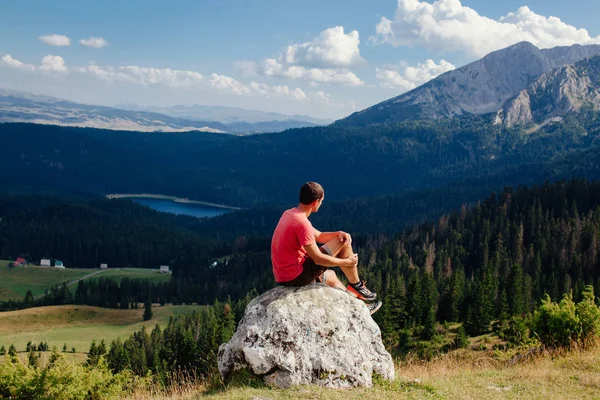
[{"x": 308, "y": 335}]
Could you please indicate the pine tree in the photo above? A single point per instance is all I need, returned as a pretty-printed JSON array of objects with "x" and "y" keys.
[
  {"x": 28, "y": 301},
  {"x": 147, "y": 310},
  {"x": 516, "y": 288},
  {"x": 461, "y": 340},
  {"x": 228, "y": 325},
  {"x": 32, "y": 359}
]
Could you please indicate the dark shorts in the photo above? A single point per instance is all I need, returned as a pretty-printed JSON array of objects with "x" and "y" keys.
[{"x": 311, "y": 272}]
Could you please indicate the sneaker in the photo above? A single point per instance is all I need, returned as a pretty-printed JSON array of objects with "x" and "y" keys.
[
  {"x": 373, "y": 307},
  {"x": 361, "y": 292}
]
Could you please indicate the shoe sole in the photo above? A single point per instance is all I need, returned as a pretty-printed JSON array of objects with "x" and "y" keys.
[
  {"x": 358, "y": 296},
  {"x": 376, "y": 308}
]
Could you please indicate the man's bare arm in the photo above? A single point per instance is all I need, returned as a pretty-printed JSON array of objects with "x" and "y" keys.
[
  {"x": 324, "y": 237},
  {"x": 327, "y": 261}
]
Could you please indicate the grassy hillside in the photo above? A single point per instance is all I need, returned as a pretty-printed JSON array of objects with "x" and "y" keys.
[
  {"x": 148, "y": 274},
  {"x": 77, "y": 326},
  {"x": 459, "y": 375},
  {"x": 14, "y": 282}
]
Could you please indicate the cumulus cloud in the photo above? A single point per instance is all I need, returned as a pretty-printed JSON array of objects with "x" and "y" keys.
[
  {"x": 143, "y": 75},
  {"x": 97, "y": 42},
  {"x": 10, "y": 62},
  {"x": 228, "y": 84},
  {"x": 447, "y": 26},
  {"x": 279, "y": 90},
  {"x": 55, "y": 40},
  {"x": 273, "y": 68},
  {"x": 52, "y": 63},
  {"x": 49, "y": 63},
  {"x": 406, "y": 77},
  {"x": 331, "y": 49},
  {"x": 325, "y": 59}
]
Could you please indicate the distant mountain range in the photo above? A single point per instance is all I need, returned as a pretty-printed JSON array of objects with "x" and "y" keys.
[
  {"x": 481, "y": 87},
  {"x": 225, "y": 115},
  {"x": 25, "y": 107}
]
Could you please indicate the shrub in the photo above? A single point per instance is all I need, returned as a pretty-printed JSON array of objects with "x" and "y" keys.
[
  {"x": 515, "y": 330},
  {"x": 567, "y": 323},
  {"x": 61, "y": 380}
]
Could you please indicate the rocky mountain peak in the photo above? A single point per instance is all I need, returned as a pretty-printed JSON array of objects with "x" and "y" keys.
[
  {"x": 481, "y": 87},
  {"x": 554, "y": 94}
]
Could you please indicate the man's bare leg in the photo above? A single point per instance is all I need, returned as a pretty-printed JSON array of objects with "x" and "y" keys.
[
  {"x": 339, "y": 249},
  {"x": 332, "y": 280}
]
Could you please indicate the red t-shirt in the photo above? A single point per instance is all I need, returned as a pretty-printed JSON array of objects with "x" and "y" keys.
[{"x": 293, "y": 232}]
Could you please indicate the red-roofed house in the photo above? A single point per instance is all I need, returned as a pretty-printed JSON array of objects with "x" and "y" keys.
[{"x": 20, "y": 262}]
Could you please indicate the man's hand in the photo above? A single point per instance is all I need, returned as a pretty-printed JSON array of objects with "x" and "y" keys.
[
  {"x": 351, "y": 261},
  {"x": 345, "y": 237}
]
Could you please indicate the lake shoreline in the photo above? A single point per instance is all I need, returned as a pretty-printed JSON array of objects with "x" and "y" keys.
[{"x": 182, "y": 200}]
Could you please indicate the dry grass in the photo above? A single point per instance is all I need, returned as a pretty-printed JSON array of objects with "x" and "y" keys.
[{"x": 461, "y": 375}]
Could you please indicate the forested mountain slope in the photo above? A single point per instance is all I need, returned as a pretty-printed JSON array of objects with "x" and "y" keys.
[{"x": 267, "y": 169}]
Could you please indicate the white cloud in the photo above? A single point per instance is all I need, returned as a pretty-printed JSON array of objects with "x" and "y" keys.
[
  {"x": 228, "y": 84},
  {"x": 279, "y": 90},
  {"x": 52, "y": 63},
  {"x": 56, "y": 40},
  {"x": 49, "y": 63},
  {"x": 406, "y": 77},
  {"x": 97, "y": 42},
  {"x": 143, "y": 75},
  {"x": 325, "y": 59},
  {"x": 273, "y": 68},
  {"x": 447, "y": 26},
  {"x": 331, "y": 49},
  {"x": 10, "y": 62}
]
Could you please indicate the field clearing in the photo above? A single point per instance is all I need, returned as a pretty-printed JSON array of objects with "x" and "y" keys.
[
  {"x": 15, "y": 282},
  {"x": 37, "y": 279},
  {"x": 78, "y": 325},
  {"x": 148, "y": 274}
]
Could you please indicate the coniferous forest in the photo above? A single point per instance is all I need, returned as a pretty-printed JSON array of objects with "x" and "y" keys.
[
  {"x": 487, "y": 261},
  {"x": 466, "y": 252}
]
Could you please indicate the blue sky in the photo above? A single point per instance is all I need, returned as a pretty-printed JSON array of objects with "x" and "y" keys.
[{"x": 316, "y": 57}]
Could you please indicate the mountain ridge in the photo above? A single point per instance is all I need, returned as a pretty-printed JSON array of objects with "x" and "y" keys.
[
  {"x": 480, "y": 87},
  {"x": 554, "y": 94}
]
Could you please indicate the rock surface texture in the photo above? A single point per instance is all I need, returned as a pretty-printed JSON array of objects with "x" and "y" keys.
[
  {"x": 308, "y": 335},
  {"x": 556, "y": 93}
]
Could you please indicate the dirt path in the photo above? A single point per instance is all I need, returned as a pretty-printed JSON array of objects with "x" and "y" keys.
[{"x": 85, "y": 277}]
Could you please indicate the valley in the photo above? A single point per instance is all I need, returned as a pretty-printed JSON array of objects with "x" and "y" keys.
[{"x": 473, "y": 201}]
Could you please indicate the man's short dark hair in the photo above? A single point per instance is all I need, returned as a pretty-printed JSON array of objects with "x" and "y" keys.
[{"x": 310, "y": 192}]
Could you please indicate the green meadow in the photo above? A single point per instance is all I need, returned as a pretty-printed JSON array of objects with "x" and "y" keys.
[
  {"x": 15, "y": 282},
  {"x": 76, "y": 326}
]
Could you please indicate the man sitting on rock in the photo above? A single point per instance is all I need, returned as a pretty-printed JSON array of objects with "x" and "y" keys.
[{"x": 298, "y": 261}]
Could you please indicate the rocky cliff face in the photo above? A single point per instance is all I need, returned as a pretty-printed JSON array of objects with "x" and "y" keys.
[
  {"x": 308, "y": 335},
  {"x": 554, "y": 94},
  {"x": 480, "y": 87}
]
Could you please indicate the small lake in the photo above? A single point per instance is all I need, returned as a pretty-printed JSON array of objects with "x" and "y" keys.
[{"x": 170, "y": 206}]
